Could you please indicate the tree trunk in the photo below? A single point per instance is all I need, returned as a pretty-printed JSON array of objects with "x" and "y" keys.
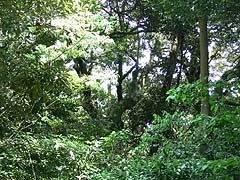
[
  {"x": 120, "y": 79},
  {"x": 172, "y": 62},
  {"x": 83, "y": 69},
  {"x": 135, "y": 79},
  {"x": 204, "y": 70}
]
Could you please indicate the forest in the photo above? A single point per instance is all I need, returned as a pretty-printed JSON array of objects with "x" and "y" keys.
[{"x": 120, "y": 89}]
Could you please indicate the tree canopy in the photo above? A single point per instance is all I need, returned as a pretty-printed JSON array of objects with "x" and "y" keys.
[{"x": 120, "y": 89}]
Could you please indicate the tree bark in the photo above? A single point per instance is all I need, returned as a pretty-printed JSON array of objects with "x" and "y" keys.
[
  {"x": 172, "y": 62},
  {"x": 204, "y": 70},
  {"x": 82, "y": 69},
  {"x": 120, "y": 79}
]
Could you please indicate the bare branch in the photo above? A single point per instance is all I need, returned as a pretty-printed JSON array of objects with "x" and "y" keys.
[{"x": 127, "y": 73}]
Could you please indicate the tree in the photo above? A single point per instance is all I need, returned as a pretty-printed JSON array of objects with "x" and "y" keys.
[
  {"x": 59, "y": 122},
  {"x": 204, "y": 69}
]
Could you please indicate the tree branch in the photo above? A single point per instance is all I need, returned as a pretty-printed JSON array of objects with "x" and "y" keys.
[
  {"x": 127, "y": 73},
  {"x": 120, "y": 34}
]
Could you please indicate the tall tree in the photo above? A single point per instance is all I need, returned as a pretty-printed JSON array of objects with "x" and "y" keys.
[{"x": 204, "y": 70}]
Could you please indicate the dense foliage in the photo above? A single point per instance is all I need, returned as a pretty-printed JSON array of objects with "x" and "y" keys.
[{"x": 120, "y": 89}]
